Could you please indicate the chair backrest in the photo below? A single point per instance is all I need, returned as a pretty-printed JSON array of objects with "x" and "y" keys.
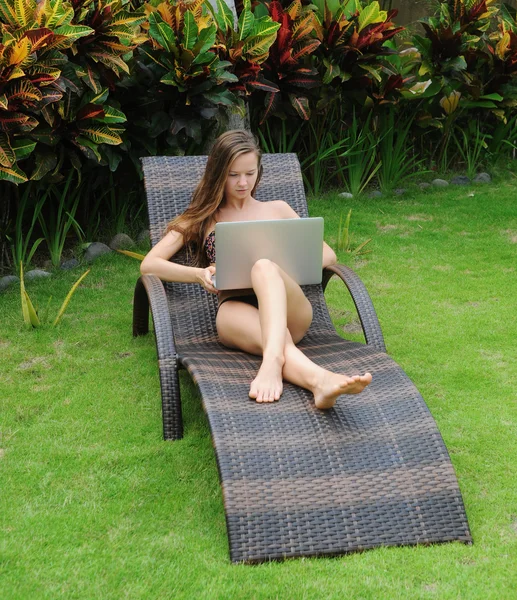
[{"x": 169, "y": 184}]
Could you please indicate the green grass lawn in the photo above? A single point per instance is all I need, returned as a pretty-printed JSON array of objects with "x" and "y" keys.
[{"x": 93, "y": 504}]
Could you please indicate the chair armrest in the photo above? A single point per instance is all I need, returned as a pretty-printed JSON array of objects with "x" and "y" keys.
[
  {"x": 363, "y": 304},
  {"x": 149, "y": 292}
]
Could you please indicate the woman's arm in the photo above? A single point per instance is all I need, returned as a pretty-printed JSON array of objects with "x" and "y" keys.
[
  {"x": 157, "y": 262},
  {"x": 329, "y": 256}
]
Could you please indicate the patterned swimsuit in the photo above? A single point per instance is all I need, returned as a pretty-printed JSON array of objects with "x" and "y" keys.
[{"x": 225, "y": 295}]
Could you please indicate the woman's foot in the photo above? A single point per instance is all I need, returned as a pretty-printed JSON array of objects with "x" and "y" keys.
[
  {"x": 267, "y": 385},
  {"x": 331, "y": 386}
]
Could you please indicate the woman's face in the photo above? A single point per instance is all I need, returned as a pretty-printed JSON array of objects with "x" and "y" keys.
[{"x": 241, "y": 177}]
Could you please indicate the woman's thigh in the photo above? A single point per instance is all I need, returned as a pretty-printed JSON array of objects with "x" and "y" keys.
[
  {"x": 299, "y": 309},
  {"x": 238, "y": 326}
]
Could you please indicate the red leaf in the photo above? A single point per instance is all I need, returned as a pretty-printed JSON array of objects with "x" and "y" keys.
[
  {"x": 90, "y": 111},
  {"x": 39, "y": 37},
  {"x": 270, "y": 102},
  {"x": 301, "y": 105},
  {"x": 276, "y": 11}
]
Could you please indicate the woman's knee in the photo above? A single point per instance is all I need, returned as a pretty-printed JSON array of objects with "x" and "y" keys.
[{"x": 264, "y": 267}]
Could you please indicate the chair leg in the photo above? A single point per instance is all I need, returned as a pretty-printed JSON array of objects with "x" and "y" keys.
[
  {"x": 149, "y": 293},
  {"x": 171, "y": 399},
  {"x": 140, "y": 310}
]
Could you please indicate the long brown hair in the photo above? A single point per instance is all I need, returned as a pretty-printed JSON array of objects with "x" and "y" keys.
[{"x": 209, "y": 193}]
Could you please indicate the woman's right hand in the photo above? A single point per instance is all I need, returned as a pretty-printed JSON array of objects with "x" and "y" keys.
[{"x": 205, "y": 279}]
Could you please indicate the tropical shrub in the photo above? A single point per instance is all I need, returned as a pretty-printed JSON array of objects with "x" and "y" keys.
[
  {"x": 354, "y": 45},
  {"x": 58, "y": 62}
]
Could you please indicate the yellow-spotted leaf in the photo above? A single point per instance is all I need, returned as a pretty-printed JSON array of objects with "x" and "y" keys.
[
  {"x": 259, "y": 45},
  {"x": 111, "y": 61},
  {"x": 68, "y": 298},
  {"x": 74, "y": 32},
  {"x": 305, "y": 49},
  {"x": 20, "y": 52},
  {"x": 303, "y": 27},
  {"x": 126, "y": 18},
  {"x": 24, "y": 91},
  {"x": 16, "y": 73},
  {"x": 196, "y": 7},
  {"x": 294, "y": 10},
  {"x": 24, "y": 9},
  {"x": 101, "y": 135},
  {"x": 57, "y": 13},
  {"x": 502, "y": 45},
  {"x": 4, "y": 102},
  {"x": 265, "y": 26},
  {"x": 8, "y": 12},
  {"x": 13, "y": 174}
]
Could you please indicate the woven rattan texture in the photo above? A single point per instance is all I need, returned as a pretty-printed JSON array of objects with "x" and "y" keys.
[{"x": 297, "y": 481}]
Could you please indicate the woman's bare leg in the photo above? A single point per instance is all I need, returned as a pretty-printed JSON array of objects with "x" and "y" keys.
[
  {"x": 239, "y": 326},
  {"x": 282, "y": 306}
]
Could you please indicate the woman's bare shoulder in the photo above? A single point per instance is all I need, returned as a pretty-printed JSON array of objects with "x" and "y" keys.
[{"x": 283, "y": 209}]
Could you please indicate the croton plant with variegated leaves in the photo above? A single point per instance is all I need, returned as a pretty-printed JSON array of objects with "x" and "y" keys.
[{"x": 58, "y": 62}]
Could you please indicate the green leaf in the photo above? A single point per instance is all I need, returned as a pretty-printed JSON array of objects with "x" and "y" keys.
[
  {"x": 331, "y": 72},
  {"x": 23, "y": 147},
  {"x": 371, "y": 14},
  {"x": 205, "y": 41},
  {"x": 45, "y": 162},
  {"x": 113, "y": 115},
  {"x": 3, "y": 102},
  {"x": 88, "y": 148},
  {"x": 495, "y": 96},
  {"x": 13, "y": 174},
  {"x": 7, "y": 154},
  {"x": 246, "y": 22},
  {"x": 33, "y": 315},
  {"x": 372, "y": 71},
  {"x": 189, "y": 30},
  {"x": 68, "y": 298},
  {"x": 74, "y": 32},
  {"x": 95, "y": 98},
  {"x": 161, "y": 32},
  {"x": 224, "y": 16},
  {"x": 205, "y": 58},
  {"x": 225, "y": 97}
]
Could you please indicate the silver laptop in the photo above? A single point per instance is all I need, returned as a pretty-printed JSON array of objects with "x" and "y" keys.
[{"x": 295, "y": 245}]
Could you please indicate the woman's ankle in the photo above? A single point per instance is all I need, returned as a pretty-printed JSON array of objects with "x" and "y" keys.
[{"x": 273, "y": 359}]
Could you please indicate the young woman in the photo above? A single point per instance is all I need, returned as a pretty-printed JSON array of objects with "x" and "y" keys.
[{"x": 273, "y": 316}]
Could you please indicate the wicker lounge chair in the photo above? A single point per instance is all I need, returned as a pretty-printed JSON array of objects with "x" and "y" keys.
[{"x": 297, "y": 481}]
